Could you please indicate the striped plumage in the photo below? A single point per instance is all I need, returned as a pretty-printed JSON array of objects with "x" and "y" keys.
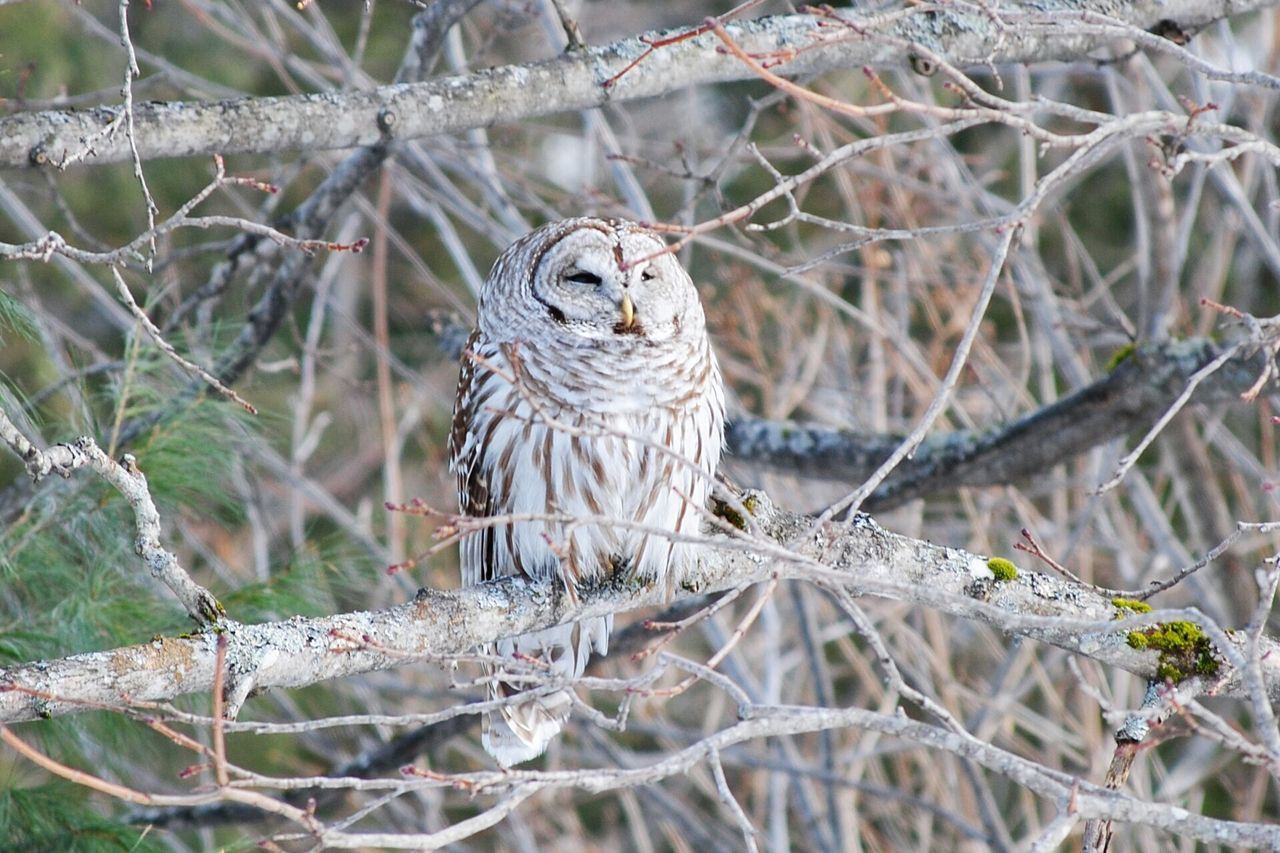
[{"x": 589, "y": 398}]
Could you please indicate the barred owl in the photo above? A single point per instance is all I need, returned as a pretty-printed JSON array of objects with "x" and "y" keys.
[{"x": 590, "y": 411}]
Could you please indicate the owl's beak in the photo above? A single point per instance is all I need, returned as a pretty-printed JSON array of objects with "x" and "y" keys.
[{"x": 628, "y": 311}]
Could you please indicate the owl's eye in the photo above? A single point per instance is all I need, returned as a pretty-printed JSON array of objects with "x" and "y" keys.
[
  {"x": 647, "y": 275},
  {"x": 584, "y": 277}
]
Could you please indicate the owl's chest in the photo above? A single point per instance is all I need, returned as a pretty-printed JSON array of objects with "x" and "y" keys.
[
  {"x": 560, "y": 460},
  {"x": 627, "y": 384},
  {"x": 614, "y": 448},
  {"x": 604, "y": 440}
]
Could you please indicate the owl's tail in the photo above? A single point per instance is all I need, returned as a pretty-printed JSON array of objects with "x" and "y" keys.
[{"x": 520, "y": 731}]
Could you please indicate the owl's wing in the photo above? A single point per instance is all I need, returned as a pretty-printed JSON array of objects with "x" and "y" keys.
[{"x": 467, "y": 459}]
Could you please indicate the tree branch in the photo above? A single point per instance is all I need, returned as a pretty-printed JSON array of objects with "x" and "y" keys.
[
  {"x": 861, "y": 557},
  {"x": 1130, "y": 397},
  {"x": 963, "y": 34}
]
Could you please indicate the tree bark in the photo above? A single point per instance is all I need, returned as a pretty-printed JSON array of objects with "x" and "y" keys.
[{"x": 860, "y": 556}]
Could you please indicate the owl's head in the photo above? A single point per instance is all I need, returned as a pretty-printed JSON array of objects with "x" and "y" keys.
[{"x": 588, "y": 280}]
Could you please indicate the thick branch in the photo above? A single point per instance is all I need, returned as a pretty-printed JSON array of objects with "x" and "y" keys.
[
  {"x": 964, "y": 35},
  {"x": 861, "y": 557},
  {"x": 1127, "y": 399}
]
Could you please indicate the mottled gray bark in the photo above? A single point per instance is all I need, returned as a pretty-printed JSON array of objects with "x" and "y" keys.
[
  {"x": 962, "y": 34},
  {"x": 861, "y": 557}
]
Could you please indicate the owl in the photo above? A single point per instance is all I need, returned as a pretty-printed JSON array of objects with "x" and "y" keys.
[{"x": 588, "y": 423}]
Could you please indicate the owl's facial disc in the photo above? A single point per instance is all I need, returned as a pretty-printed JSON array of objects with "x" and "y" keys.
[{"x": 605, "y": 281}]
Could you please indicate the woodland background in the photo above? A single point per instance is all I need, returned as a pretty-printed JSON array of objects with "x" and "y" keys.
[{"x": 1020, "y": 236}]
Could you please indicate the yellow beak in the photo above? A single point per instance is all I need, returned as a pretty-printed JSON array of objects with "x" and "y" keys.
[{"x": 628, "y": 311}]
